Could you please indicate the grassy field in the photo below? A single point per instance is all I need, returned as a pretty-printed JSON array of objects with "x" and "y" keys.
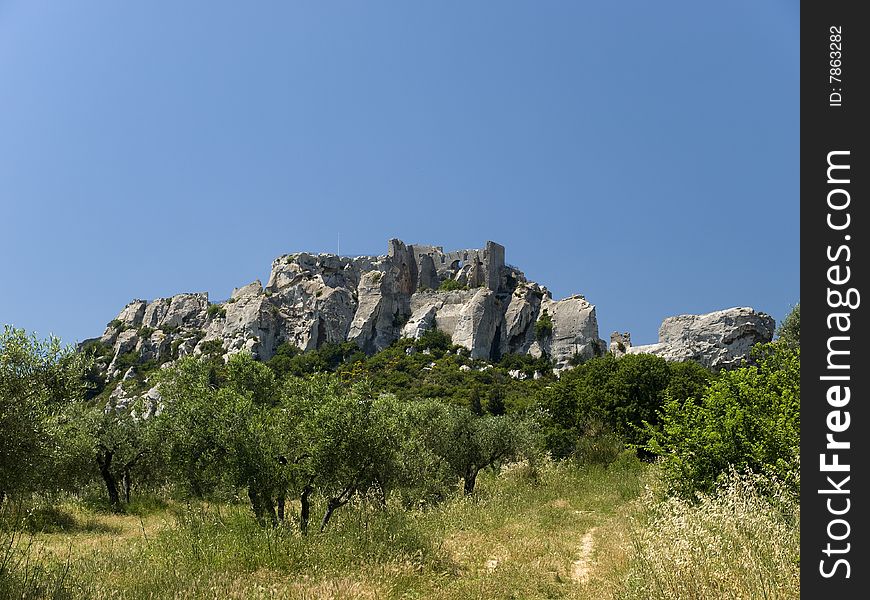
[{"x": 557, "y": 531}]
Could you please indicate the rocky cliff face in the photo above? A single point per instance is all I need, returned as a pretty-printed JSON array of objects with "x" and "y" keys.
[
  {"x": 718, "y": 340},
  {"x": 482, "y": 303},
  {"x": 314, "y": 299}
]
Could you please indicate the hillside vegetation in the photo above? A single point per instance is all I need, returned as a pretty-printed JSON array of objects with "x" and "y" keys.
[{"x": 413, "y": 473}]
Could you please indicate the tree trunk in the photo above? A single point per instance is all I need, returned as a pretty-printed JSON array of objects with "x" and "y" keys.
[
  {"x": 127, "y": 483},
  {"x": 256, "y": 505},
  {"x": 337, "y": 502},
  {"x": 128, "y": 477},
  {"x": 470, "y": 479},
  {"x": 104, "y": 460},
  {"x": 269, "y": 508},
  {"x": 262, "y": 505},
  {"x": 330, "y": 508},
  {"x": 305, "y": 512},
  {"x": 281, "y": 507}
]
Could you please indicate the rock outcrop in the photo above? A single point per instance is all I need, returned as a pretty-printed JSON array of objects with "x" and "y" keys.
[
  {"x": 574, "y": 333},
  {"x": 310, "y": 300},
  {"x": 483, "y": 304},
  {"x": 718, "y": 340}
]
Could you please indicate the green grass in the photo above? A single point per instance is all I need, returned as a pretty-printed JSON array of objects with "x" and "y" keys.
[{"x": 552, "y": 531}]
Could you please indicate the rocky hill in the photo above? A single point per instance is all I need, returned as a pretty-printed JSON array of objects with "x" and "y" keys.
[
  {"x": 310, "y": 300},
  {"x": 482, "y": 303}
]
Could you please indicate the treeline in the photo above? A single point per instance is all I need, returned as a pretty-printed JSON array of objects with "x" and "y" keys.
[{"x": 412, "y": 424}]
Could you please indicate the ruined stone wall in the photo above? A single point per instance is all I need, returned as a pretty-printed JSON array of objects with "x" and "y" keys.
[{"x": 490, "y": 259}]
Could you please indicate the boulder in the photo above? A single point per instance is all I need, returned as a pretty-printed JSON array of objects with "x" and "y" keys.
[
  {"x": 718, "y": 340},
  {"x": 383, "y": 300},
  {"x": 619, "y": 343},
  {"x": 522, "y": 310},
  {"x": 421, "y": 321},
  {"x": 427, "y": 276},
  {"x": 575, "y": 330},
  {"x": 478, "y": 325}
]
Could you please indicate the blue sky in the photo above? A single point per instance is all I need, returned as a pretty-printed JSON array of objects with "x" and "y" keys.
[{"x": 644, "y": 154}]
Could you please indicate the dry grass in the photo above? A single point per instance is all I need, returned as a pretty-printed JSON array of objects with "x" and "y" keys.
[
  {"x": 734, "y": 544},
  {"x": 556, "y": 531}
]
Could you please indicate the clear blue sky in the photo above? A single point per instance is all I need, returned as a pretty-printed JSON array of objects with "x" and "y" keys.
[{"x": 644, "y": 154}]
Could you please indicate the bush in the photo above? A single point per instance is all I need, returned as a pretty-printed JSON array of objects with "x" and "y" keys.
[
  {"x": 450, "y": 285},
  {"x": 434, "y": 340},
  {"x": 216, "y": 311},
  {"x": 526, "y": 363},
  {"x": 789, "y": 332},
  {"x": 97, "y": 348},
  {"x": 624, "y": 394},
  {"x": 291, "y": 361},
  {"x": 127, "y": 360},
  {"x": 598, "y": 445},
  {"x": 748, "y": 418},
  {"x": 145, "y": 332},
  {"x": 544, "y": 326},
  {"x": 212, "y": 348}
]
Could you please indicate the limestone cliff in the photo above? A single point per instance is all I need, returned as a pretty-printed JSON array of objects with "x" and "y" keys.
[
  {"x": 310, "y": 300},
  {"x": 718, "y": 340},
  {"x": 482, "y": 303}
]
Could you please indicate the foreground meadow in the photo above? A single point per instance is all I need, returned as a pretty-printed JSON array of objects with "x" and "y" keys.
[{"x": 554, "y": 531}]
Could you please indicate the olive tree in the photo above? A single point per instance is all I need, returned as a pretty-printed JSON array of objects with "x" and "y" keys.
[
  {"x": 348, "y": 444},
  {"x": 227, "y": 436},
  {"x": 39, "y": 381},
  {"x": 471, "y": 443},
  {"x": 122, "y": 439}
]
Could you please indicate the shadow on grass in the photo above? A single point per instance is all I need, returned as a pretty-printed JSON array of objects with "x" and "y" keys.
[{"x": 51, "y": 519}]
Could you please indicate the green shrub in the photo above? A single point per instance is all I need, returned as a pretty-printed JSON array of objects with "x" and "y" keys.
[
  {"x": 748, "y": 418},
  {"x": 127, "y": 360},
  {"x": 115, "y": 324},
  {"x": 544, "y": 326},
  {"x": 400, "y": 319},
  {"x": 577, "y": 359},
  {"x": 145, "y": 332},
  {"x": 98, "y": 349},
  {"x": 213, "y": 347},
  {"x": 598, "y": 445},
  {"x": 290, "y": 360},
  {"x": 526, "y": 363},
  {"x": 624, "y": 394},
  {"x": 450, "y": 285},
  {"x": 789, "y": 332},
  {"x": 216, "y": 311},
  {"x": 434, "y": 340}
]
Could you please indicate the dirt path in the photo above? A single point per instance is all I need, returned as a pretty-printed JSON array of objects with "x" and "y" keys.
[{"x": 580, "y": 567}]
